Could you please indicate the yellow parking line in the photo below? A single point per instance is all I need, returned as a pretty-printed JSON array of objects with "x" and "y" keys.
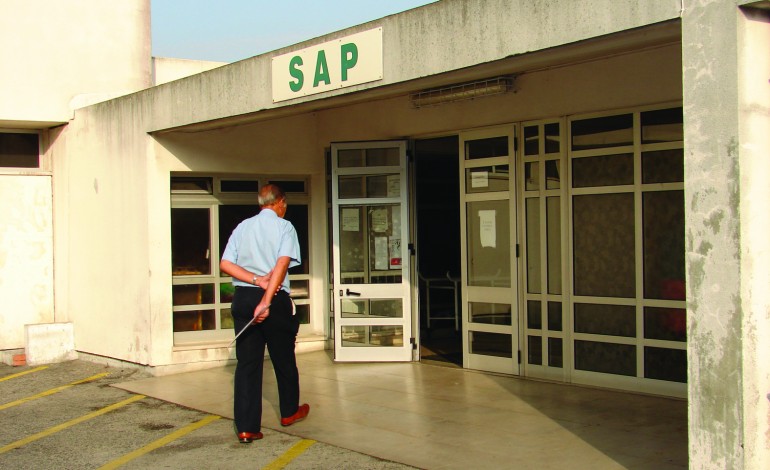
[
  {"x": 159, "y": 443},
  {"x": 295, "y": 451},
  {"x": 13, "y": 376},
  {"x": 51, "y": 391},
  {"x": 60, "y": 427}
]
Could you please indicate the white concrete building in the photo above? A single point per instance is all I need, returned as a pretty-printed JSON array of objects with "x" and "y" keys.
[{"x": 589, "y": 173}]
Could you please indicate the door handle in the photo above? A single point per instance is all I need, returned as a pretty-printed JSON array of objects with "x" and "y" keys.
[{"x": 352, "y": 294}]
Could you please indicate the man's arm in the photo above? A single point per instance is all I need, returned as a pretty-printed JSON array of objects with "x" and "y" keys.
[
  {"x": 237, "y": 272},
  {"x": 276, "y": 279}
]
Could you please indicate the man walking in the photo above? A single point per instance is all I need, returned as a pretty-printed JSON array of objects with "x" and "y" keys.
[{"x": 258, "y": 255}]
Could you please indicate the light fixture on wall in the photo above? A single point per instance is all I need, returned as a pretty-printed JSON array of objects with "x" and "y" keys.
[{"x": 462, "y": 91}]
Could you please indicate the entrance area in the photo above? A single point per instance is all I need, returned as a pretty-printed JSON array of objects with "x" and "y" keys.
[{"x": 437, "y": 218}]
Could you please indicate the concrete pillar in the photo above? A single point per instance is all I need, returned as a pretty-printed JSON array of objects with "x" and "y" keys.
[
  {"x": 727, "y": 173},
  {"x": 48, "y": 343}
]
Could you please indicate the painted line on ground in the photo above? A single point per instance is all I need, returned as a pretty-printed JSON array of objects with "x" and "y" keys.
[
  {"x": 13, "y": 376},
  {"x": 51, "y": 391},
  {"x": 159, "y": 443},
  {"x": 60, "y": 427},
  {"x": 295, "y": 451}
]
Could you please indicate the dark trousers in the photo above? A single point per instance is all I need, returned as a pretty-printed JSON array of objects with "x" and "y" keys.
[{"x": 279, "y": 333}]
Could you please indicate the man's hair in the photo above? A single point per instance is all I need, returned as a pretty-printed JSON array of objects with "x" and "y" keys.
[{"x": 269, "y": 194}]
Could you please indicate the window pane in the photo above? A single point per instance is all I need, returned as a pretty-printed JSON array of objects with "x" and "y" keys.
[
  {"x": 532, "y": 176},
  {"x": 226, "y": 319},
  {"x": 351, "y": 187},
  {"x": 535, "y": 350},
  {"x": 229, "y": 218},
  {"x": 603, "y": 132},
  {"x": 239, "y": 186},
  {"x": 607, "y": 170},
  {"x": 553, "y": 227},
  {"x": 383, "y": 308},
  {"x": 531, "y": 140},
  {"x": 664, "y": 264},
  {"x": 552, "y": 138},
  {"x": 534, "y": 316},
  {"x": 191, "y": 184},
  {"x": 663, "y": 166},
  {"x": 19, "y": 150},
  {"x": 489, "y": 251},
  {"x": 552, "y": 174},
  {"x": 226, "y": 292},
  {"x": 533, "y": 245},
  {"x": 303, "y": 314},
  {"x": 612, "y": 320},
  {"x": 490, "y": 344},
  {"x": 486, "y": 179},
  {"x": 492, "y": 314},
  {"x": 352, "y": 248},
  {"x": 300, "y": 289},
  {"x": 298, "y": 215},
  {"x": 555, "y": 354},
  {"x": 605, "y": 357},
  {"x": 665, "y": 364},
  {"x": 289, "y": 186},
  {"x": 485, "y": 148},
  {"x": 604, "y": 245},
  {"x": 554, "y": 316},
  {"x": 353, "y": 158},
  {"x": 387, "y": 335},
  {"x": 192, "y": 294},
  {"x": 385, "y": 250},
  {"x": 196, "y": 320},
  {"x": 190, "y": 241},
  {"x": 663, "y": 125},
  {"x": 669, "y": 324}
]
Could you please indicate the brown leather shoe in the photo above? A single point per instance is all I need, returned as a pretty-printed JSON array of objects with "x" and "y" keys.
[
  {"x": 301, "y": 414},
  {"x": 247, "y": 437}
]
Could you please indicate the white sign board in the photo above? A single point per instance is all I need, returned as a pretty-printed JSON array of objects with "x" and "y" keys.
[{"x": 344, "y": 62}]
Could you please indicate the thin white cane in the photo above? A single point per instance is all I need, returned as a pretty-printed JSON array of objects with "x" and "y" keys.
[{"x": 248, "y": 325}]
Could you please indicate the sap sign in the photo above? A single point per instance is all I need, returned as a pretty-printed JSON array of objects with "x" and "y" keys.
[{"x": 344, "y": 62}]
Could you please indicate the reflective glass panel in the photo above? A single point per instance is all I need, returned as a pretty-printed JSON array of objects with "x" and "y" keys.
[
  {"x": 603, "y": 132},
  {"x": 381, "y": 308},
  {"x": 665, "y": 364},
  {"x": 226, "y": 321},
  {"x": 663, "y": 166},
  {"x": 353, "y": 158},
  {"x": 552, "y": 174},
  {"x": 535, "y": 350},
  {"x": 486, "y": 148},
  {"x": 490, "y": 344},
  {"x": 303, "y": 314},
  {"x": 300, "y": 289},
  {"x": 532, "y": 176},
  {"x": 531, "y": 140},
  {"x": 229, "y": 218},
  {"x": 19, "y": 150},
  {"x": 553, "y": 226},
  {"x": 606, "y": 170},
  {"x": 486, "y": 179},
  {"x": 603, "y": 231},
  {"x": 555, "y": 354},
  {"x": 552, "y": 138},
  {"x": 489, "y": 250},
  {"x": 226, "y": 292},
  {"x": 554, "y": 316},
  {"x": 298, "y": 215},
  {"x": 370, "y": 244},
  {"x": 662, "y": 125},
  {"x": 239, "y": 186},
  {"x": 608, "y": 358},
  {"x": 492, "y": 314},
  {"x": 359, "y": 186},
  {"x": 612, "y": 320},
  {"x": 669, "y": 324},
  {"x": 663, "y": 229},
  {"x": 195, "y": 320},
  {"x": 192, "y": 294},
  {"x": 190, "y": 241},
  {"x": 385, "y": 335},
  {"x": 534, "y": 316},
  {"x": 533, "y": 245}
]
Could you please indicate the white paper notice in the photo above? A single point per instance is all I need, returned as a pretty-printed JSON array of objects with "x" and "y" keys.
[
  {"x": 479, "y": 179},
  {"x": 488, "y": 229},
  {"x": 395, "y": 253},
  {"x": 394, "y": 185},
  {"x": 380, "y": 220},
  {"x": 381, "y": 253},
  {"x": 350, "y": 221}
]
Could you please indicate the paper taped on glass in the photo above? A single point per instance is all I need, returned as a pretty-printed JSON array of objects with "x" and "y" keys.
[{"x": 487, "y": 228}]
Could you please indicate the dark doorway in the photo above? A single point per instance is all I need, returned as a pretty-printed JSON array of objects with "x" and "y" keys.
[{"x": 437, "y": 203}]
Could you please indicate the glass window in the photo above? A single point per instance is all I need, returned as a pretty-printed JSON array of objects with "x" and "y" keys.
[
  {"x": 488, "y": 313},
  {"x": 229, "y": 218},
  {"x": 663, "y": 229},
  {"x": 532, "y": 176},
  {"x": 603, "y": 230},
  {"x": 552, "y": 174},
  {"x": 194, "y": 320},
  {"x": 385, "y": 335},
  {"x": 299, "y": 217},
  {"x": 355, "y": 158},
  {"x": 553, "y": 227},
  {"x": 534, "y": 316},
  {"x": 606, "y": 170},
  {"x": 239, "y": 186},
  {"x": 665, "y": 364},
  {"x": 300, "y": 288},
  {"x": 662, "y": 125},
  {"x": 612, "y": 320},
  {"x": 608, "y": 358},
  {"x": 533, "y": 245},
  {"x": 191, "y": 185},
  {"x": 303, "y": 314},
  {"x": 19, "y": 150},
  {"x": 554, "y": 316},
  {"x": 486, "y": 148},
  {"x": 193, "y": 294},
  {"x": 190, "y": 241},
  {"x": 490, "y": 344},
  {"x": 290, "y": 186},
  {"x": 486, "y": 179},
  {"x": 535, "y": 350},
  {"x": 489, "y": 250},
  {"x": 226, "y": 321},
  {"x": 668, "y": 324},
  {"x": 603, "y": 132},
  {"x": 552, "y": 138},
  {"x": 555, "y": 354},
  {"x": 531, "y": 140},
  {"x": 359, "y": 186},
  {"x": 370, "y": 244},
  {"x": 663, "y": 166}
]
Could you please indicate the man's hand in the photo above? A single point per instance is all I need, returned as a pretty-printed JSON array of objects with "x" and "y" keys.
[
  {"x": 261, "y": 312},
  {"x": 264, "y": 281}
]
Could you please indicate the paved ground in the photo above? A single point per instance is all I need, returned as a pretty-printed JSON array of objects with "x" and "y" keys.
[{"x": 67, "y": 416}]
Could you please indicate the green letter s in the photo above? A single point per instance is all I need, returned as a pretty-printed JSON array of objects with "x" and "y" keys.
[{"x": 295, "y": 72}]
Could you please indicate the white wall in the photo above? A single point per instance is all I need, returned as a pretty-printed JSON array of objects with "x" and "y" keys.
[
  {"x": 165, "y": 70},
  {"x": 26, "y": 256},
  {"x": 58, "y": 55}
]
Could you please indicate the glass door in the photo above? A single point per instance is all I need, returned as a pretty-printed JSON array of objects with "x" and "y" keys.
[
  {"x": 371, "y": 286},
  {"x": 489, "y": 261}
]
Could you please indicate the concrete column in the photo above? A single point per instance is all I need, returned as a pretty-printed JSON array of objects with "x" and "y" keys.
[{"x": 725, "y": 80}]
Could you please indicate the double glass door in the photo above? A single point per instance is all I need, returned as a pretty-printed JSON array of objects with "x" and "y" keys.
[{"x": 371, "y": 287}]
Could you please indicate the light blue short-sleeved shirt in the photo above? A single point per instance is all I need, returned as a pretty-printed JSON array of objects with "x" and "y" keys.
[{"x": 258, "y": 242}]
